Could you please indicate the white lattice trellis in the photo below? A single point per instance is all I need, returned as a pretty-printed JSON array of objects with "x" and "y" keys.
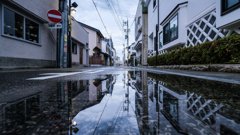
[
  {"x": 151, "y": 53},
  {"x": 202, "y": 109},
  {"x": 205, "y": 30}
]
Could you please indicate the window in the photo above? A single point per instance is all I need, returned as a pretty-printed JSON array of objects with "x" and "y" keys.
[
  {"x": 32, "y": 31},
  {"x": 132, "y": 48},
  {"x": 170, "y": 30},
  {"x": 13, "y": 24},
  {"x": 98, "y": 39},
  {"x": 139, "y": 20},
  {"x": 160, "y": 40},
  {"x": 74, "y": 48},
  {"x": 154, "y": 3},
  {"x": 229, "y": 5},
  {"x": 18, "y": 26}
]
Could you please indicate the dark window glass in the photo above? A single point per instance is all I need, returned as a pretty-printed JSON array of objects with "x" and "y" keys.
[
  {"x": 170, "y": 31},
  {"x": 154, "y": 3},
  {"x": 173, "y": 28},
  {"x": 229, "y": 5},
  {"x": 32, "y": 31},
  {"x": 13, "y": 23},
  {"x": 74, "y": 48},
  {"x": 166, "y": 34},
  {"x": 160, "y": 40}
]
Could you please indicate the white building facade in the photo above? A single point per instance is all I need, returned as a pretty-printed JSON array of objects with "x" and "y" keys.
[
  {"x": 188, "y": 23},
  {"x": 138, "y": 32}
]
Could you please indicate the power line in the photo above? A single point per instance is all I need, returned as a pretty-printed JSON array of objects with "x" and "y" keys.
[
  {"x": 100, "y": 17},
  {"x": 114, "y": 16},
  {"x": 116, "y": 12}
]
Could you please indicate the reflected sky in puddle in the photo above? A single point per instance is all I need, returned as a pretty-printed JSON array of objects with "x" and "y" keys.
[{"x": 133, "y": 102}]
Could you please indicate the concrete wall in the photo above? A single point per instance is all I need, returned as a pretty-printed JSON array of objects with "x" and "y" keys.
[
  {"x": 138, "y": 14},
  {"x": 39, "y": 7},
  {"x": 92, "y": 40},
  {"x": 152, "y": 22},
  {"x": 81, "y": 37},
  {"x": 15, "y": 48},
  {"x": 226, "y": 20},
  {"x": 79, "y": 33}
]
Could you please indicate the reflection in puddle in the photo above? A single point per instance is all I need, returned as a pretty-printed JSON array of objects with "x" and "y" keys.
[{"x": 134, "y": 102}]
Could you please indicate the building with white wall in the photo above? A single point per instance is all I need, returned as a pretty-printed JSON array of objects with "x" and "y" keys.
[
  {"x": 26, "y": 41},
  {"x": 95, "y": 45},
  {"x": 131, "y": 50},
  {"x": 184, "y": 23},
  {"x": 152, "y": 24},
  {"x": 108, "y": 51},
  {"x": 138, "y": 32}
]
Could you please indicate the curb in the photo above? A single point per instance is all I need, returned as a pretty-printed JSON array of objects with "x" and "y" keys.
[{"x": 231, "y": 68}]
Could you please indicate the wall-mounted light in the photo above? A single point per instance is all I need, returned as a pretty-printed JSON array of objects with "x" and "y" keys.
[
  {"x": 73, "y": 11},
  {"x": 74, "y": 123}
]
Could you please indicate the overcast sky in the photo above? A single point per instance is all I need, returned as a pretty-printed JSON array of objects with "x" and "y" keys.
[{"x": 87, "y": 13}]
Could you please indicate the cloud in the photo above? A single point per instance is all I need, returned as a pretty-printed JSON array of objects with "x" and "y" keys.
[{"x": 86, "y": 13}]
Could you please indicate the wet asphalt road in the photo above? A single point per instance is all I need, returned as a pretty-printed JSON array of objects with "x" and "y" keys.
[{"x": 19, "y": 87}]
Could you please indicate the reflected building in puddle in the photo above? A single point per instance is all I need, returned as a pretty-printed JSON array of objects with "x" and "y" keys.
[
  {"x": 171, "y": 108},
  {"x": 49, "y": 109}
]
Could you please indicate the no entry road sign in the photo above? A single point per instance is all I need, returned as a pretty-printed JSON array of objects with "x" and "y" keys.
[{"x": 54, "y": 16}]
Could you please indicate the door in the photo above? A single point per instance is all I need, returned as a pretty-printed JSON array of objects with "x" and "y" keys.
[{"x": 81, "y": 55}]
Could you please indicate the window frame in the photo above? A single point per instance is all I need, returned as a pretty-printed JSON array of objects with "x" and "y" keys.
[
  {"x": 154, "y": 3},
  {"x": 74, "y": 44},
  {"x": 160, "y": 46},
  {"x": 169, "y": 34},
  {"x": 224, "y": 10},
  {"x": 24, "y": 25}
]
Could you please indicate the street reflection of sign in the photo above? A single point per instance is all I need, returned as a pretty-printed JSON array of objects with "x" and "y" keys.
[{"x": 55, "y": 120}]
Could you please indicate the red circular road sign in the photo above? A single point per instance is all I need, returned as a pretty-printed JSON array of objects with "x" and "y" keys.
[{"x": 54, "y": 16}]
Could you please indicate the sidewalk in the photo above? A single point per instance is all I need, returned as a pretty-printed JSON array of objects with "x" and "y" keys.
[{"x": 231, "y": 68}]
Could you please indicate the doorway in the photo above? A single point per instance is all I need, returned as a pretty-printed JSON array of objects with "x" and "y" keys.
[{"x": 80, "y": 55}]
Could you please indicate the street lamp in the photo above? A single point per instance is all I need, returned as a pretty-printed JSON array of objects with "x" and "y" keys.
[
  {"x": 73, "y": 11},
  {"x": 74, "y": 5}
]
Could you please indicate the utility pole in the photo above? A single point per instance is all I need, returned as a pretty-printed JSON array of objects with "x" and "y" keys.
[
  {"x": 144, "y": 35},
  {"x": 157, "y": 29},
  {"x": 127, "y": 36},
  {"x": 61, "y": 58},
  {"x": 69, "y": 52},
  {"x": 123, "y": 54}
]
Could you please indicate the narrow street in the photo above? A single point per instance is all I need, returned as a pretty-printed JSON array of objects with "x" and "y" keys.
[{"x": 118, "y": 100}]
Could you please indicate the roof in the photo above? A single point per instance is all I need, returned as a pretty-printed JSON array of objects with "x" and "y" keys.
[
  {"x": 173, "y": 11},
  {"x": 92, "y": 28}
]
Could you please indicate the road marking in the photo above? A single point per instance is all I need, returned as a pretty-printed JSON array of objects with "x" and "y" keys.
[{"x": 55, "y": 75}]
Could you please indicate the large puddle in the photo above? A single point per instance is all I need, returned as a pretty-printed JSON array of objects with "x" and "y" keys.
[{"x": 133, "y": 102}]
